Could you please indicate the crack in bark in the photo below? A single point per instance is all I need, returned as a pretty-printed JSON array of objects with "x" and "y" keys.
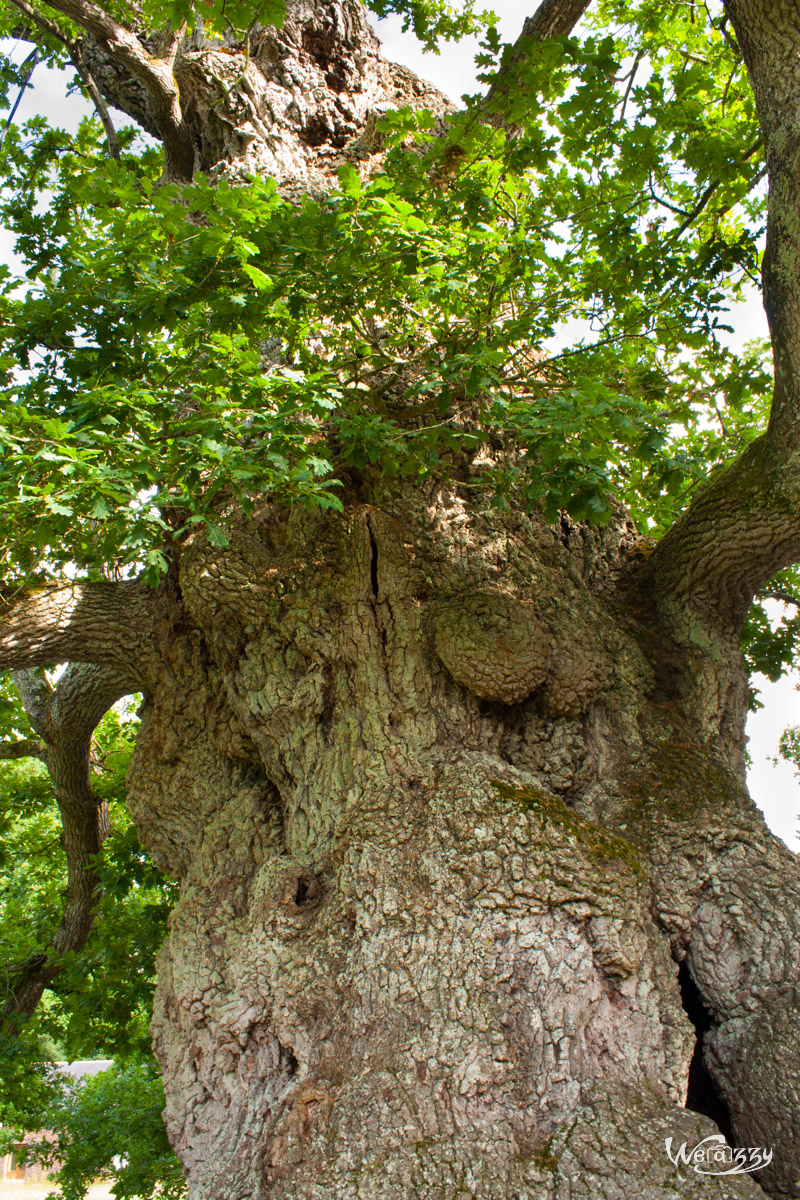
[
  {"x": 373, "y": 562},
  {"x": 702, "y": 1095}
]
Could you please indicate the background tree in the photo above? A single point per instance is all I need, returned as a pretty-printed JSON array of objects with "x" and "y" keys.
[
  {"x": 448, "y": 759},
  {"x": 99, "y": 1002}
]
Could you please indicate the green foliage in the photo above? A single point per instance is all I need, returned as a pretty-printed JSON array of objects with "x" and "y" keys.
[
  {"x": 174, "y": 354},
  {"x": 433, "y": 21},
  {"x": 99, "y": 1004},
  {"x": 772, "y": 646},
  {"x": 110, "y": 1124},
  {"x": 789, "y": 746},
  {"x": 31, "y": 860}
]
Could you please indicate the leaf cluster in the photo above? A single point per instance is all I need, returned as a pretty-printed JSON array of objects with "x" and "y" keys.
[
  {"x": 110, "y": 1124},
  {"x": 176, "y": 354},
  {"x": 100, "y": 1002}
]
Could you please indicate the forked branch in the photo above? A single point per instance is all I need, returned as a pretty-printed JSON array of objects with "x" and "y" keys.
[
  {"x": 84, "y": 74},
  {"x": 124, "y": 49}
]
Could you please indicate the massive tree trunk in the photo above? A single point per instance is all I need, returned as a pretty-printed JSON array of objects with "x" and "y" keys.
[
  {"x": 473, "y": 894},
  {"x": 446, "y": 830}
]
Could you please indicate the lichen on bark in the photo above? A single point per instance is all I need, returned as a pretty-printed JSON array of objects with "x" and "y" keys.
[{"x": 408, "y": 953}]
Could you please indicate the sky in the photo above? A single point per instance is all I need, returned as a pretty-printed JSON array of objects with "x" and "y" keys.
[{"x": 774, "y": 786}]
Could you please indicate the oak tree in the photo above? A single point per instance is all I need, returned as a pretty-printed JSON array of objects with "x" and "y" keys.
[{"x": 436, "y": 614}]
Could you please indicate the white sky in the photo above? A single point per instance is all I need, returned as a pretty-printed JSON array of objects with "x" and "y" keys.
[{"x": 774, "y": 787}]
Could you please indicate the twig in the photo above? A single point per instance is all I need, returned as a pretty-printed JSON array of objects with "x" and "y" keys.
[
  {"x": 33, "y": 59},
  {"x": 628, "y": 89},
  {"x": 783, "y": 597},
  {"x": 708, "y": 193},
  {"x": 84, "y": 74}
]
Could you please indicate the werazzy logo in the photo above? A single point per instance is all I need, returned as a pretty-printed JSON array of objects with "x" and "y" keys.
[{"x": 713, "y": 1156}]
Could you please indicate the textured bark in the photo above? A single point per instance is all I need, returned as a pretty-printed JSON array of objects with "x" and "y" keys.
[
  {"x": 295, "y": 104},
  {"x": 109, "y": 624},
  {"x": 451, "y": 793},
  {"x": 433, "y": 902}
]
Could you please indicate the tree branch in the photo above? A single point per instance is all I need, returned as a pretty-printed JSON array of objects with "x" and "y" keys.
[
  {"x": 781, "y": 596},
  {"x": 84, "y": 74},
  {"x": 42, "y": 22},
  {"x": 708, "y": 194},
  {"x": 768, "y": 33},
  {"x": 738, "y": 531},
  {"x": 25, "y": 748},
  {"x": 90, "y": 83},
  {"x": 155, "y": 74},
  {"x": 66, "y": 716},
  {"x": 745, "y": 525},
  {"x": 103, "y": 623},
  {"x": 553, "y": 18}
]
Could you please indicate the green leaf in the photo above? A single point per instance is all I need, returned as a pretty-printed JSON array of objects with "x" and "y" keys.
[{"x": 256, "y": 276}]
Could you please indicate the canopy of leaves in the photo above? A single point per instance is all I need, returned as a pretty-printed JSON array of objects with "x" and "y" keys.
[{"x": 172, "y": 353}]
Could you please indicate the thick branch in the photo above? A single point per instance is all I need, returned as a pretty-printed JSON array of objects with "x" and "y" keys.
[
  {"x": 155, "y": 74},
  {"x": 742, "y": 528},
  {"x": 553, "y": 18},
  {"x": 65, "y": 717},
  {"x": 746, "y": 524},
  {"x": 768, "y": 32},
  {"x": 103, "y": 623}
]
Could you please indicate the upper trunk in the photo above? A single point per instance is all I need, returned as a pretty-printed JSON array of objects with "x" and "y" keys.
[{"x": 293, "y": 104}]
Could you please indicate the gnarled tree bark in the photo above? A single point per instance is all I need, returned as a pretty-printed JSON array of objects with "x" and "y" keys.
[{"x": 455, "y": 797}]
